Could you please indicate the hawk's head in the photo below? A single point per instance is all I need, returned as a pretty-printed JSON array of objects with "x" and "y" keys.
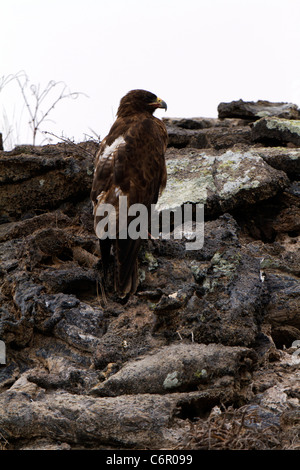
[{"x": 140, "y": 101}]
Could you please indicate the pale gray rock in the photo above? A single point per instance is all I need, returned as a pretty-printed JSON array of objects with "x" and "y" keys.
[
  {"x": 221, "y": 182},
  {"x": 183, "y": 367}
]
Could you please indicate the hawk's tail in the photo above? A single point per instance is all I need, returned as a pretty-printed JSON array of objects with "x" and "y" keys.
[{"x": 126, "y": 266}]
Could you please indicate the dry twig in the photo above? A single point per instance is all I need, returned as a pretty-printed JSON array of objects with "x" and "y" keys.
[
  {"x": 34, "y": 97},
  {"x": 233, "y": 430}
]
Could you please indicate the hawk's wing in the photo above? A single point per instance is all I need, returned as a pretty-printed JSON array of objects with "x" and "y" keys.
[{"x": 130, "y": 163}]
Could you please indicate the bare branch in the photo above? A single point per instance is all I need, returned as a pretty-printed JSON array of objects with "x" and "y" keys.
[
  {"x": 5, "y": 80},
  {"x": 38, "y": 116},
  {"x": 97, "y": 136},
  {"x": 39, "y": 102},
  {"x": 70, "y": 142}
]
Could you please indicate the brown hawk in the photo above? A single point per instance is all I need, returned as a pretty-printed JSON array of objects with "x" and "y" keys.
[{"x": 130, "y": 162}]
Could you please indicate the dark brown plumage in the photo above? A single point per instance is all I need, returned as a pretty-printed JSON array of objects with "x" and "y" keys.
[{"x": 130, "y": 162}]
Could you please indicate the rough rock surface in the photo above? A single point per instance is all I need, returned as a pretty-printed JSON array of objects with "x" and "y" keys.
[
  {"x": 256, "y": 110},
  {"x": 205, "y": 133},
  {"x": 50, "y": 175},
  {"x": 183, "y": 366},
  {"x": 221, "y": 182},
  {"x": 276, "y": 130},
  {"x": 205, "y": 355}
]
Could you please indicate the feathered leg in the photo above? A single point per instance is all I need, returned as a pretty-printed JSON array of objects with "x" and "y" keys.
[{"x": 126, "y": 266}]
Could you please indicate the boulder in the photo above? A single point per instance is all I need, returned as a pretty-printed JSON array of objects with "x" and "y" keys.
[
  {"x": 183, "y": 367},
  {"x": 139, "y": 421},
  {"x": 221, "y": 182},
  {"x": 203, "y": 133},
  {"x": 282, "y": 158},
  {"x": 255, "y": 110},
  {"x": 283, "y": 310},
  {"x": 196, "y": 123},
  {"x": 35, "y": 178},
  {"x": 276, "y": 131},
  {"x": 20, "y": 229}
]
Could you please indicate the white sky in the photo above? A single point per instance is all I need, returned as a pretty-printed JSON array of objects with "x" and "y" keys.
[{"x": 191, "y": 53}]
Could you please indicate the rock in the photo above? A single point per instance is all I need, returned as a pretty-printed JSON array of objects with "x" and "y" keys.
[
  {"x": 62, "y": 315},
  {"x": 281, "y": 158},
  {"x": 208, "y": 136},
  {"x": 129, "y": 334},
  {"x": 25, "y": 227},
  {"x": 183, "y": 367},
  {"x": 283, "y": 309},
  {"x": 167, "y": 303},
  {"x": 46, "y": 177},
  {"x": 288, "y": 220},
  {"x": 285, "y": 335},
  {"x": 205, "y": 333},
  {"x": 229, "y": 308},
  {"x": 256, "y": 110},
  {"x": 126, "y": 421},
  {"x": 172, "y": 301},
  {"x": 70, "y": 378},
  {"x": 9, "y": 375},
  {"x": 196, "y": 123},
  {"x": 293, "y": 192},
  {"x": 220, "y": 182},
  {"x": 71, "y": 279},
  {"x": 17, "y": 325},
  {"x": 212, "y": 294},
  {"x": 280, "y": 395},
  {"x": 44, "y": 444},
  {"x": 81, "y": 327},
  {"x": 276, "y": 131}
]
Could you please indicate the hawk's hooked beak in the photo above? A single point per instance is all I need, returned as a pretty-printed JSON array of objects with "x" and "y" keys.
[{"x": 159, "y": 103}]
